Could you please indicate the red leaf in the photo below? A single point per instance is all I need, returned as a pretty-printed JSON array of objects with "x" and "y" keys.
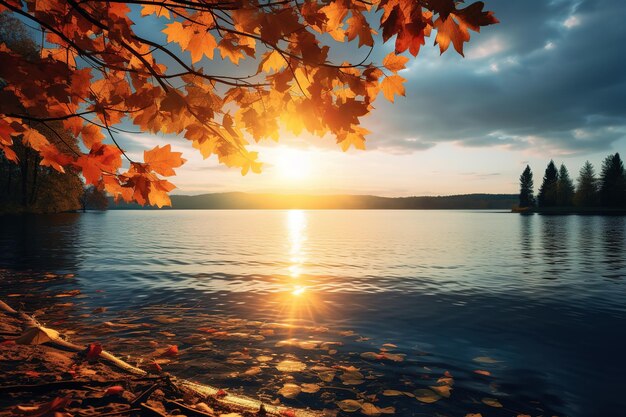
[
  {"x": 155, "y": 367},
  {"x": 171, "y": 351},
  {"x": 114, "y": 390},
  {"x": 221, "y": 393},
  {"x": 32, "y": 374},
  {"x": 93, "y": 352},
  {"x": 7, "y": 343}
]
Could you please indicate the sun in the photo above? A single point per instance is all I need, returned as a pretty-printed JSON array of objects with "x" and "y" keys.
[{"x": 292, "y": 164}]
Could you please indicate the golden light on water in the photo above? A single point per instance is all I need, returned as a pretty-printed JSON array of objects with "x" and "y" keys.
[{"x": 297, "y": 302}]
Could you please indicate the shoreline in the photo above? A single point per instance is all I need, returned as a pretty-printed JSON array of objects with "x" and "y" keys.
[{"x": 42, "y": 374}]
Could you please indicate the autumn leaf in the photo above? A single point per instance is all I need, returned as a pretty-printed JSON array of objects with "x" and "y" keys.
[
  {"x": 426, "y": 396},
  {"x": 290, "y": 390},
  {"x": 37, "y": 336},
  {"x": 395, "y": 63},
  {"x": 492, "y": 402},
  {"x": 93, "y": 352},
  {"x": 392, "y": 86},
  {"x": 159, "y": 10},
  {"x": 162, "y": 160},
  {"x": 349, "y": 406},
  {"x": 272, "y": 61},
  {"x": 114, "y": 390}
]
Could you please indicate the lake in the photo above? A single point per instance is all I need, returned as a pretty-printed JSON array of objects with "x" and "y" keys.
[{"x": 356, "y": 302}]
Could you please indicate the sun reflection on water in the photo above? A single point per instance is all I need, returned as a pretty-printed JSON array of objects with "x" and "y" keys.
[{"x": 297, "y": 303}]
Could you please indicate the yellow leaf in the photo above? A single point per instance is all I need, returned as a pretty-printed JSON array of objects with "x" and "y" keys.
[
  {"x": 370, "y": 409},
  {"x": 349, "y": 406},
  {"x": 443, "y": 390},
  {"x": 426, "y": 396},
  {"x": 492, "y": 402},
  {"x": 290, "y": 366},
  {"x": 37, "y": 336},
  {"x": 290, "y": 390},
  {"x": 273, "y": 61},
  {"x": 391, "y": 86}
]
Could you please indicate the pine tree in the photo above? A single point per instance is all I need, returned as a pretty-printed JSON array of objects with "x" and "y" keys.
[
  {"x": 565, "y": 188},
  {"x": 548, "y": 191},
  {"x": 526, "y": 189},
  {"x": 613, "y": 182},
  {"x": 587, "y": 187}
]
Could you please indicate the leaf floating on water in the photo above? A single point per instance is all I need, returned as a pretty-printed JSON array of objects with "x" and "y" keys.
[
  {"x": 264, "y": 358},
  {"x": 388, "y": 410},
  {"x": 392, "y": 393},
  {"x": 485, "y": 359},
  {"x": 426, "y": 396},
  {"x": 442, "y": 390},
  {"x": 326, "y": 376},
  {"x": 445, "y": 380},
  {"x": 290, "y": 390},
  {"x": 482, "y": 372},
  {"x": 372, "y": 356},
  {"x": 492, "y": 402},
  {"x": 370, "y": 409},
  {"x": 474, "y": 415},
  {"x": 166, "y": 319},
  {"x": 310, "y": 388},
  {"x": 290, "y": 366},
  {"x": 253, "y": 371},
  {"x": 349, "y": 406},
  {"x": 37, "y": 336}
]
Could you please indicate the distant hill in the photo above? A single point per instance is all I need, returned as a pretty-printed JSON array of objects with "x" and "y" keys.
[{"x": 237, "y": 200}]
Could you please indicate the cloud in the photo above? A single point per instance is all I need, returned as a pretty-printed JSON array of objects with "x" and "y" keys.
[{"x": 548, "y": 78}]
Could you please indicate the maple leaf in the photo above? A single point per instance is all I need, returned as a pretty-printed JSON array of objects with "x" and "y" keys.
[
  {"x": 91, "y": 135},
  {"x": 158, "y": 10},
  {"x": 162, "y": 160},
  {"x": 392, "y": 86},
  {"x": 272, "y": 61},
  {"x": 395, "y": 63}
]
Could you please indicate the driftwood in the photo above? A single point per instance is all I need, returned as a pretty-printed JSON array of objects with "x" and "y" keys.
[{"x": 218, "y": 396}]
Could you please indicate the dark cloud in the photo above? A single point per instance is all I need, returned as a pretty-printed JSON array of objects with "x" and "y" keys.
[{"x": 550, "y": 76}]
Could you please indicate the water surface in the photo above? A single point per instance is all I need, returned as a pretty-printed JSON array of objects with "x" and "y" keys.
[{"x": 539, "y": 302}]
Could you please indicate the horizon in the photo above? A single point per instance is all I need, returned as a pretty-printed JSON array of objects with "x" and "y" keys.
[{"x": 492, "y": 126}]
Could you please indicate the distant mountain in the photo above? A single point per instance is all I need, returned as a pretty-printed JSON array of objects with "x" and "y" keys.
[{"x": 237, "y": 200}]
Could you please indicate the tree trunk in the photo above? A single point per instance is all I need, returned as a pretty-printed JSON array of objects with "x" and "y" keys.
[{"x": 24, "y": 169}]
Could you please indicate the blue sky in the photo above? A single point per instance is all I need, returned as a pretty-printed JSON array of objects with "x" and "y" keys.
[{"x": 547, "y": 82}]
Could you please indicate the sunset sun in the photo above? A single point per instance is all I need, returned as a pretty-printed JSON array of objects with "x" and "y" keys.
[{"x": 292, "y": 164}]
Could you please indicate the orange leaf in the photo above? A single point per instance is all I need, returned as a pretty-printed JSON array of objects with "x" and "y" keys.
[
  {"x": 162, "y": 160},
  {"x": 171, "y": 351},
  {"x": 392, "y": 86},
  {"x": 114, "y": 390},
  {"x": 395, "y": 63}
]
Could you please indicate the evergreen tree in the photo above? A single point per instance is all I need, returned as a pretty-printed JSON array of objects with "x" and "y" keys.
[
  {"x": 587, "y": 187},
  {"x": 613, "y": 182},
  {"x": 526, "y": 188},
  {"x": 549, "y": 188},
  {"x": 565, "y": 188}
]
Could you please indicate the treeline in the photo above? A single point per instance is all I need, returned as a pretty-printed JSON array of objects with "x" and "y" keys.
[
  {"x": 243, "y": 201},
  {"x": 558, "y": 190}
]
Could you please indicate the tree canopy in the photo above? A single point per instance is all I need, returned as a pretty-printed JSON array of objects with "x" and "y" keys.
[
  {"x": 95, "y": 70},
  {"x": 526, "y": 192}
]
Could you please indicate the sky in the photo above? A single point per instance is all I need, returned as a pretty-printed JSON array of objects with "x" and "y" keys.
[{"x": 548, "y": 82}]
